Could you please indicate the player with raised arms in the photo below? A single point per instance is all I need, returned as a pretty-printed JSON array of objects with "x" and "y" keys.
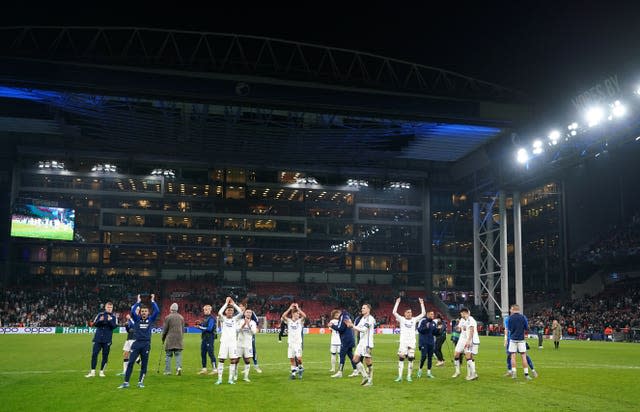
[
  {"x": 246, "y": 328},
  {"x": 142, "y": 325},
  {"x": 126, "y": 347},
  {"x": 228, "y": 339},
  {"x": 294, "y": 318},
  {"x": 407, "y": 348},
  {"x": 254, "y": 317}
]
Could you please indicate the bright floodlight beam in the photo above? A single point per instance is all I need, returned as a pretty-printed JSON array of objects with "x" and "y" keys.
[
  {"x": 594, "y": 116},
  {"x": 554, "y": 136},
  {"x": 522, "y": 156}
]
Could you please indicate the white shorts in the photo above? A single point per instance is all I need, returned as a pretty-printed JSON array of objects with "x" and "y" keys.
[
  {"x": 473, "y": 349},
  {"x": 407, "y": 350},
  {"x": 127, "y": 345},
  {"x": 363, "y": 350},
  {"x": 228, "y": 350},
  {"x": 294, "y": 351},
  {"x": 244, "y": 352},
  {"x": 335, "y": 348},
  {"x": 519, "y": 346}
]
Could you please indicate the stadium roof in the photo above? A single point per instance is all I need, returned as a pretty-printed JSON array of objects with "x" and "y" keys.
[{"x": 265, "y": 100}]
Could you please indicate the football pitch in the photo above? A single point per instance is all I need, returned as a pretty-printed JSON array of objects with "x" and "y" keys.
[
  {"x": 46, "y": 373},
  {"x": 62, "y": 232}
]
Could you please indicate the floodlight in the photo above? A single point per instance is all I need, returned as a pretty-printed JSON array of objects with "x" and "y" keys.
[
  {"x": 522, "y": 156},
  {"x": 537, "y": 147},
  {"x": 594, "y": 116},
  {"x": 618, "y": 109}
]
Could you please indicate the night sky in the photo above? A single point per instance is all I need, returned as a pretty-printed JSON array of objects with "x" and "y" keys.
[{"x": 552, "y": 52}]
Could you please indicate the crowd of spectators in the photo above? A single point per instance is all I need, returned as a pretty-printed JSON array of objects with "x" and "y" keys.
[
  {"x": 619, "y": 243},
  {"x": 615, "y": 310},
  {"x": 73, "y": 301},
  {"x": 68, "y": 301}
]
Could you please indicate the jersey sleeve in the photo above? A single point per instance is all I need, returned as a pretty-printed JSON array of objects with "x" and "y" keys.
[
  {"x": 211, "y": 324},
  {"x": 134, "y": 308},
  {"x": 239, "y": 315},
  {"x": 113, "y": 321},
  {"x": 97, "y": 321},
  {"x": 156, "y": 312}
]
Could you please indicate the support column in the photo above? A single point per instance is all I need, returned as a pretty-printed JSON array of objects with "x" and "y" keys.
[
  {"x": 564, "y": 239},
  {"x": 517, "y": 249},
  {"x": 504, "y": 268},
  {"x": 427, "y": 251},
  {"x": 477, "y": 256}
]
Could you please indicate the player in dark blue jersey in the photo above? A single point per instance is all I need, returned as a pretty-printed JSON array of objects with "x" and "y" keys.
[
  {"x": 105, "y": 323},
  {"x": 426, "y": 342},
  {"x": 347, "y": 341},
  {"x": 208, "y": 329},
  {"x": 142, "y": 325},
  {"x": 126, "y": 348},
  {"x": 515, "y": 327},
  {"x": 441, "y": 337}
]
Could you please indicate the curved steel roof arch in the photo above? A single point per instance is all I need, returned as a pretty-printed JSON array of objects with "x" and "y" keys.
[{"x": 241, "y": 54}]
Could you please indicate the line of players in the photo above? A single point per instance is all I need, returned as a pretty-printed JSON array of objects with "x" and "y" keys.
[
  {"x": 238, "y": 326},
  {"x": 428, "y": 327}
]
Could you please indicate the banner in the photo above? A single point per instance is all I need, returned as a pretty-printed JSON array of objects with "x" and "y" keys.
[
  {"x": 75, "y": 329},
  {"x": 27, "y": 330},
  {"x": 78, "y": 330}
]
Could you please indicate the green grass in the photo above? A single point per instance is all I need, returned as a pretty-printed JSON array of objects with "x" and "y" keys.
[
  {"x": 41, "y": 231},
  {"x": 40, "y": 372}
]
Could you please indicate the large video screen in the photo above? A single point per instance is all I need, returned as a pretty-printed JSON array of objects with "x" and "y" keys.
[{"x": 43, "y": 222}]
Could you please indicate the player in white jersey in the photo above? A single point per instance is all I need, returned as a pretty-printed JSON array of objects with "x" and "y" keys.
[
  {"x": 294, "y": 317},
  {"x": 366, "y": 326},
  {"x": 228, "y": 338},
  {"x": 334, "y": 347},
  {"x": 254, "y": 317},
  {"x": 246, "y": 328},
  {"x": 407, "y": 347},
  {"x": 467, "y": 344}
]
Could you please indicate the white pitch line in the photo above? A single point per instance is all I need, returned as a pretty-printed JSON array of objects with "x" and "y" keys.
[
  {"x": 286, "y": 365},
  {"x": 40, "y": 372}
]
